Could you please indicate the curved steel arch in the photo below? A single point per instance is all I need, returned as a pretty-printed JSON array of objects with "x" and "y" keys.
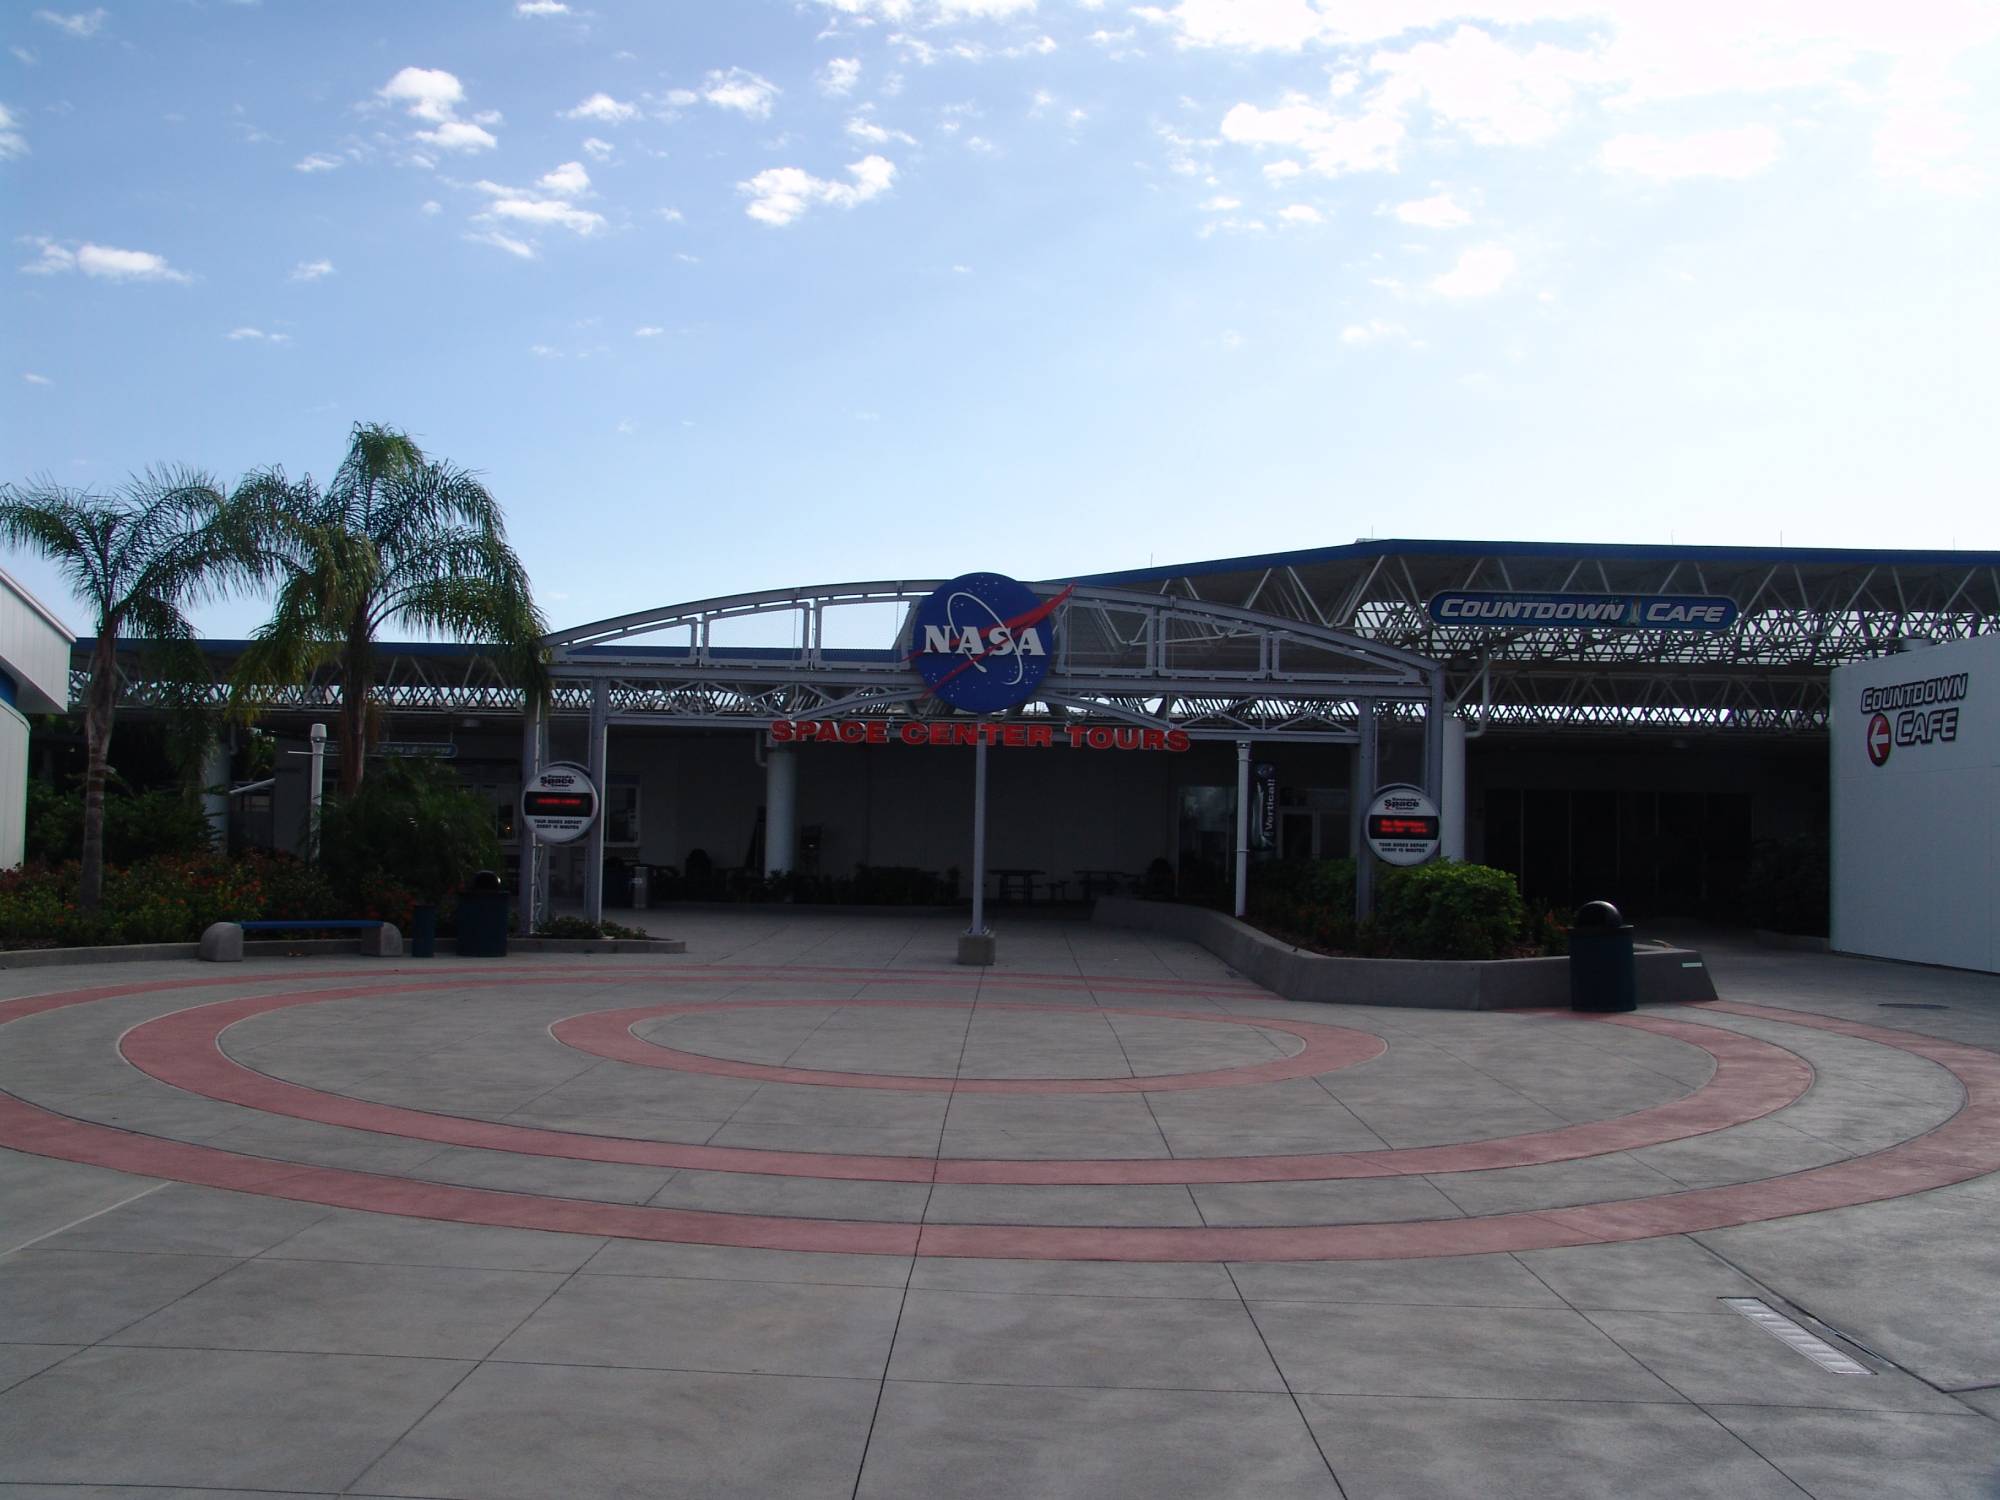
[{"x": 1122, "y": 653}]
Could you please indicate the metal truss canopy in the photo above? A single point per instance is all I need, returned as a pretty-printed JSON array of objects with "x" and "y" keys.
[
  {"x": 1802, "y": 611},
  {"x": 1215, "y": 670},
  {"x": 1287, "y": 644}
]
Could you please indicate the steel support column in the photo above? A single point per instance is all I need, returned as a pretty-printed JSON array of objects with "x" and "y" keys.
[
  {"x": 593, "y": 859},
  {"x": 1242, "y": 826},
  {"x": 1368, "y": 775},
  {"x": 529, "y": 845}
]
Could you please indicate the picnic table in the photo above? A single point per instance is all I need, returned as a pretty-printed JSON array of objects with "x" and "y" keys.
[{"x": 1014, "y": 881}]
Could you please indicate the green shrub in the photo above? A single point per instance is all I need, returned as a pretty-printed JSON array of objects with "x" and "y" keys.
[
  {"x": 1445, "y": 909},
  {"x": 137, "y": 825},
  {"x": 413, "y": 833},
  {"x": 167, "y": 899},
  {"x": 577, "y": 927}
]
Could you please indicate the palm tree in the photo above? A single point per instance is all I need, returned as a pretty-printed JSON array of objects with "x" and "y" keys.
[
  {"x": 395, "y": 538},
  {"x": 138, "y": 559}
]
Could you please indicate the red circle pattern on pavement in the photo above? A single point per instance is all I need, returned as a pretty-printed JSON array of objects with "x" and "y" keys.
[{"x": 1752, "y": 1078}]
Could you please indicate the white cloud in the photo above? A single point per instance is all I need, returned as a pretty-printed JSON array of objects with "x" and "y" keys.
[
  {"x": 55, "y": 258},
  {"x": 1281, "y": 171},
  {"x": 1300, "y": 213},
  {"x": 567, "y": 181},
  {"x": 105, "y": 262},
  {"x": 671, "y": 215},
  {"x": 319, "y": 161},
  {"x": 1440, "y": 212},
  {"x": 311, "y": 270},
  {"x": 1496, "y": 95},
  {"x": 1901, "y": 64},
  {"x": 12, "y": 142},
  {"x": 597, "y": 150},
  {"x": 427, "y": 93},
  {"x": 1742, "y": 152},
  {"x": 779, "y": 195},
  {"x": 548, "y": 211},
  {"x": 541, "y": 8},
  {"x": 838, "y": 77},
  {"x": 1480, "y": 272},
  {"x": 1333, "y": 143},
  {"x": 604, "y": 109},
  {"x": 433, "y": 96},
  {"x": 1374, "y": 331},
  {"x": 431, "y": 206},
  {"x": 458, "y": 135},
  {"x": 648, "y": 331},
  {"x": 740, "y": 90},
  {"x": 256, "y": 335},
  {"x": 1221, "y": 204},
  {"x": 81, "y": 25},
  {"x": 505, "y": 242},
  {"x": 33, "y": 379},
  {"x": 24, "y": 55},
  {"x": 864, "y": 129}
]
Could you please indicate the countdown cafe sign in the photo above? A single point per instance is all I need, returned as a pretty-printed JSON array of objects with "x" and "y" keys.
[{"x": 962, "y": 732}]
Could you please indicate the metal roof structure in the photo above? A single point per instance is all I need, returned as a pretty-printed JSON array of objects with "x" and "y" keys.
[
  {"x": 1234, "y": 633},
  {"x": 1214, "y": 670},
  {"x": 1802, "y": 611}
]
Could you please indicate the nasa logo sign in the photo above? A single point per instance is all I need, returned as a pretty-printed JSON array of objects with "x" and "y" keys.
[
  {"x": 983, "y": 642},
  {"x": 1878, "y": 739}
]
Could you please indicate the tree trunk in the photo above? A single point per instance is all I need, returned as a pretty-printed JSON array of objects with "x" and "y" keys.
[
  {"x": 99, "y": 702},
  {"x": 356, "y": 683}
]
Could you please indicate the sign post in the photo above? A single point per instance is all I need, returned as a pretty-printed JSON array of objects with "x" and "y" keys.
[{"x": 976, "y": 946}]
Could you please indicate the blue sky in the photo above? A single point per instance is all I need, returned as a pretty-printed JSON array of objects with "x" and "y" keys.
[{"x": 733, "y": 296}]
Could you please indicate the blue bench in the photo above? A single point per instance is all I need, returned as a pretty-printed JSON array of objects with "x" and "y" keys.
[
  {"x": 351, "y": 924},
  {"x": 222, "y": 943}
]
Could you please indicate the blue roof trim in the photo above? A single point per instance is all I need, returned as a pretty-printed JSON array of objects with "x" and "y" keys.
[{"x": 1631, "y": 551}]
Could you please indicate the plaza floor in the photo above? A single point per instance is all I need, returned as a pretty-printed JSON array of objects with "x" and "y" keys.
[{"x": 809, "y": 1211}]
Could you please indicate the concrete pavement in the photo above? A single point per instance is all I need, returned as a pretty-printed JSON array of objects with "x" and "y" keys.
[{"x": 817, "y": 1214}]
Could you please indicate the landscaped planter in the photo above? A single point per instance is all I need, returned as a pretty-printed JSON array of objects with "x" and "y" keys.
[{"x": 1666, "y": 976}]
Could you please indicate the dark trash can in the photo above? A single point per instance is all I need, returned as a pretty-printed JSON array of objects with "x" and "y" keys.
[
  {"x": 423, "y": 930},
  {"x": 1602, "y": 974},
  {"x": 482, "y": 918}
]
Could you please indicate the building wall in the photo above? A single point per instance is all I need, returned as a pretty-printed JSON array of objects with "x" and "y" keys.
[
  {"x": 13, "y": 786},
  {"x": 1916, "y": 839},
  {"x": 34, "y": 679}
]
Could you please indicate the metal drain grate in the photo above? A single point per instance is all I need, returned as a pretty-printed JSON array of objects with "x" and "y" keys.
[
  {"x": 1780, "y": 1327},
  {"x": 1909, "y": 1005}
]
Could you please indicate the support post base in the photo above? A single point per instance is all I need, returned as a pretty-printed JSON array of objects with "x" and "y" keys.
[{"x": 976, "y": 948}]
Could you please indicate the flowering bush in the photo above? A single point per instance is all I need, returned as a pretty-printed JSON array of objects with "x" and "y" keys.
[{"x": 166, "y": 899}]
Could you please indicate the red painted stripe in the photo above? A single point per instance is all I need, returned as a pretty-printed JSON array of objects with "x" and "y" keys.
[
  {"x": 1752, "y": 1079},
  {"x": 1966, "y": 1146},
  {"x": 608, "y": 1034}
]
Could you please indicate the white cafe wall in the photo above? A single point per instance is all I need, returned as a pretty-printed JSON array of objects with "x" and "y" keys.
[{"x": 1916, "y": 840}]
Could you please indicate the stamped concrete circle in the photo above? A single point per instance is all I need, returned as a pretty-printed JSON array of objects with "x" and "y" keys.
[{"x": 1752, "y": 1078}]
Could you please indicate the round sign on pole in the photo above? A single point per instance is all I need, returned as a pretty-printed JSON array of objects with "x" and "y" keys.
[
  {"x": 559, "y": 803},
  {"x": 983, "y": 642},
  {"x": 1402, "y": 825}
]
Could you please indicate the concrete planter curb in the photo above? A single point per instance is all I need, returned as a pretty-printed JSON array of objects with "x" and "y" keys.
[
  {"x": 1667, "y": 976},
  {"x": 121, "y": 953}
]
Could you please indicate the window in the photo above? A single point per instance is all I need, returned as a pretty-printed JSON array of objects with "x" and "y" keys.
[{"x": 621, "y": 813}]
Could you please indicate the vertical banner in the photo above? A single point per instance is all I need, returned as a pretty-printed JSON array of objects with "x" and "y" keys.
[{"x": 1264, "y": 806}]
